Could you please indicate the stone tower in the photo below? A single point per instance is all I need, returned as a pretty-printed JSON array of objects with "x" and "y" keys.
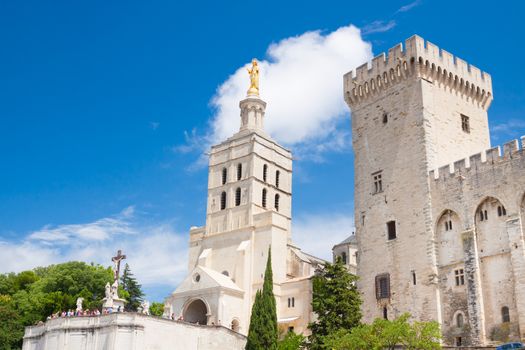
[
  {"x": 414, "y": 110},
  {"x": 248, "y": 211}
]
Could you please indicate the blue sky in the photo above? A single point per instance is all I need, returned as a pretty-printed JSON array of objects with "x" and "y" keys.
[{"x": 106, "y": 109}]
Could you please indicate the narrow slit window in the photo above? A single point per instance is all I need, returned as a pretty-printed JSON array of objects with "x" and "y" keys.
[
  {"x": 239, "y": 171},
  {"x": 264, "y": 197},
  {"x": 223, "y": 200},
  {"x": 391, "y": 229},
  {"x": 414, "y": 281},
  {"x": 265, "y": 172},
  {"x": 385, "y": 118},
  {"x": 385, "y": 313},
  {"x": 224, "y": 175},
  {"x": 238, "y": 196},
  {"x": 277, "y": 197},
  {"x": 277, "y": 175}
]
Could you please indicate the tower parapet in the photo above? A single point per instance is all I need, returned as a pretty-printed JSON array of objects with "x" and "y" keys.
[
  {"x": 422, "y": 59},
  {"x": 480, "y": 161}
]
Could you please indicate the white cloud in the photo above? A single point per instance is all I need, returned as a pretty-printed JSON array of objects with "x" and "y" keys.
[
  {"x": 508, "y": 128},
  {"x": 378, "y": 27},
  {"x": 156, "y": 253},
  {"x": 409, "y": 7},
  {"x": 316, "y": 234},
  {"x": 97, "y": 231},
  {"x": 301, "y": 80}
]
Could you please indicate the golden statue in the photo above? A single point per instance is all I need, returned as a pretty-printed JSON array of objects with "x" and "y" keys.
[{"x": 254, "y": 78}]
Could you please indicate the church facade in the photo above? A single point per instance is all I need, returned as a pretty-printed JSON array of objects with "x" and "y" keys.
[
  {"x": 439, "y": 213},
  {"x": 248, "y": 211}
]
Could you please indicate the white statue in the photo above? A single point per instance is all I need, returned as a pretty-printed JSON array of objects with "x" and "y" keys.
[
  {"x": 145, "y": 307},
  {"x": 79, "y": 303},
  {"x": 114, "y": 289}
]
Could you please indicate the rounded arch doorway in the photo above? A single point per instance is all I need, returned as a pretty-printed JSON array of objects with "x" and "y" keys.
[{"x": 196, "y": 312}]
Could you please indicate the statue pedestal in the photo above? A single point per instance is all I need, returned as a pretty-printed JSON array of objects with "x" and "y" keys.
[{"x": 113, "y": 305}]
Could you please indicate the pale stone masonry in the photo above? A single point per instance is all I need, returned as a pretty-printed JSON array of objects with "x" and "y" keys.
[
  {"x": 248, "y": 210},
  {"x": 128, "y": 331},
  {"x": 445, "y": 244}
]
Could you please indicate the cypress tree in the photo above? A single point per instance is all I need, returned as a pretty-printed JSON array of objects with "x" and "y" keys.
[
  {"x": 134, "y": 291},
  {"x": 263, "y": 333}
]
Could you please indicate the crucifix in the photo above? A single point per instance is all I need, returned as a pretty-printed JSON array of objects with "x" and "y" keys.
[{"x": 116, "y": 260}]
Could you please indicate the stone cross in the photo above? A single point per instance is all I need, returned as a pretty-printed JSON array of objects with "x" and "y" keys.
[{"x": 116, "y": 260}]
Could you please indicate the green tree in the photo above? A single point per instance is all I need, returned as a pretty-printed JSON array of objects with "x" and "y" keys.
[
  {"x": 335, "y": 301},
  {"x": 156, "y": 309},
  {"x": 291, "y": 341},
  {"x": 31, "y": 296},
  {"x": 263, "y": 332},
  {"x": 129, "y": 284},
  {"x": 11, "y": 325},
  {"x": 384, "y": 334}
]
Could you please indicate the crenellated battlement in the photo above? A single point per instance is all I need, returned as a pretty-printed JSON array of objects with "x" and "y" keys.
[
  {"x": 479, "y": 161},
  {"x": 418, "y": 58}
]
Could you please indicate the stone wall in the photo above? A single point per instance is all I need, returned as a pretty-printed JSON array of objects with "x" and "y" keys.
[
  {"x": 128, "y": 331},
  {"x": 416, "y": 109},
  {"x": 483, "y": 197}
]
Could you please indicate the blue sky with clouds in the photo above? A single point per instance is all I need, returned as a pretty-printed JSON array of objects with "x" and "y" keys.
[{"x": 106, "y": 110}]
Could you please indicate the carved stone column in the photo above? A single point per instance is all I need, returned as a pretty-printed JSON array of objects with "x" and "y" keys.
[
  {"x": 517, "y": 256},
  {"x": 476, "y": 312}
]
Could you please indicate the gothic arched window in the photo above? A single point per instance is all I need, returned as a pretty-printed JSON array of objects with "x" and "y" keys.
[
  {"x": 277, "y": 202},
  {"x": 343, "y": 257},
  {"x": 223, "y": 200},
  {"x": 459, "y": 320},
  {"x": 238, "y": 196},
  {"x": 264, "y": 197},
  {"x": 239, "y": 171},
  {"x": 277, "y": 174},
  {"x": 265, "y": 172},
  {"x": 224, "y": 175}
]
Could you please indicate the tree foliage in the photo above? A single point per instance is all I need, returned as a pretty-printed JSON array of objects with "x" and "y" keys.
[
  {"x": 291, "y": 341},
  {"x": 335, "y": 301},
  {"x": 263, "y": 332},
  {"x": 133, "y": 290},
  {"x": 384, "y": 334},
  {"x": 156, "y": 309},
  {"x": 31, "y": 296}
]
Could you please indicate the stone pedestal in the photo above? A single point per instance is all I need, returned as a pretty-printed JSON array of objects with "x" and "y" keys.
[{"x": 113, "y": 305}]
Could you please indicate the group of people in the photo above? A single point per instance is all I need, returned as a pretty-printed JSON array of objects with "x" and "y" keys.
[
  {"x": 73, "y": 313},
  {"x": 180, "y": 318}
]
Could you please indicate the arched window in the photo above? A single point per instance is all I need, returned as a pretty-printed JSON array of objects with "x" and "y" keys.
[
  {"x": 264, "y": 197},
  {"x": 265, "y": 172},
  {"x": 343, "y": 257},
  {"x": 505, "y": 316},
  {"x": 238, "y": 196},
  {"x": 277, "y": 174},
  {"x": 239, "y": 171},
  {"x": 277, "y": 202},
  {"x": 459, "y": 320},
  {"x": 224, "y": 175},
  {"x": 223, "y": 200}
]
